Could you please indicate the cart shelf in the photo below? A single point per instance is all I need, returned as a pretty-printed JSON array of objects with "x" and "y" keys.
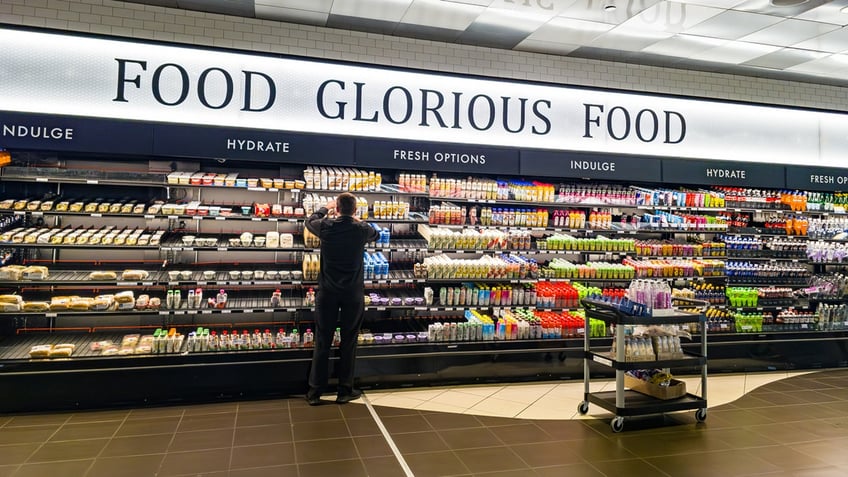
[
  {"x": 639, "y": 404},
  {"x": 608, "y": 359}
]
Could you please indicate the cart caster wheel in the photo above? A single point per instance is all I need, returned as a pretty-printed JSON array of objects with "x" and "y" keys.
[
  {"x": 701, "y": 415},
  {"x": 583, "y": 408},
  {"x": 617, "y": 424}
]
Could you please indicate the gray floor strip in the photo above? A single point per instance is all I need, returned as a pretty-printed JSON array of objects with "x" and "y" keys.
[{"x": 406, "y": 470}]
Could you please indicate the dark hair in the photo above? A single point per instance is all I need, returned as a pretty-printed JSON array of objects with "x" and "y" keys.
[{"x": 346, "y": 203}]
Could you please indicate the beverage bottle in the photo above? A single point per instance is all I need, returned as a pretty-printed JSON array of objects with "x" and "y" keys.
[
  {"x": 295, "y": 338},
  {"x": 308, "y": 338},
  {"x": 337, "y": 337}
]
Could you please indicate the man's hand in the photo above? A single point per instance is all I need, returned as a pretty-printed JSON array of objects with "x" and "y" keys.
[{"x": 331, "y": 205}]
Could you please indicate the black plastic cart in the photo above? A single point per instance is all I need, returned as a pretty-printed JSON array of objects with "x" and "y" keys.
[{"x": 627, "y": 403}]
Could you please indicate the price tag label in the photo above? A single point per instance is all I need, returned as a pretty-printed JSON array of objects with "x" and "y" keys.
[
  {"x": 179, "y": 312},
  {"x": 126, "y": 284},
  {"x": 268, "y": 310},
  {"x": 382, "y": 281},
  {"x": 20, "y": 212},
  {"x": 93, "y": 215},
  {"x": 147, "y": 284},
  {"x": 256, "y": 189},
  {"x": 804, "y": 326},
  {"x": 201, "y": 283},
  {"x": 273, "y": 189},
  {"x": 173, "y": 217},
  {"x": 581, "y": 330},
  {"x": 220, "y": 218},
  {"x": 222, "y": 249},
  {"x": 226, "y": 312},
  {"x": 398, "y": 281},
  {"x": 381, "y": 308},
  {"x": 420, "y": 308},
  {"x": 747, "y": 327},
  {"x": 197, "y": 217},
  {"x": 41, "y": 179},
  {"x": 172, "y": 284},
  {"x": 296, "y": 282},
  {"x": 161, "y": 313},
  {"x": 256, "y": 219},
  {"x": 205, "y": 312},
  {"x": 291, "y": 310},
  {"x": 50, "y": 315},
  {"x": 149, "y": 217},
  {"x": 39, "y": 214},
  {"x": 91, "y": 181}
]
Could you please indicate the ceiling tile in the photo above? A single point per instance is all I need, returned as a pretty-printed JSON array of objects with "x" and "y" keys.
[
  {"x": 291, "y": 15},
  {"x": 568, "y": 30},
  {"x": 386, "y": 10},
  {"x": 769, "y": 7},
  {"x": 672, "y": 17},
  {"x": 537, "y": 46},
  {"x": 541, "y": 8},
  {"x": 714, "y": 3},
  {"x": 436, "y": 13},
  {"x": 785, "y": 58},
  {"x": 312, "y": 5},
  {"x": 833, "y": 42},
  {"x": 511, "y": 20},
  {"x": 732, "y": 25},
  {"x": 484, "y": 35},
  {"x": 829, "y": 13},
  {"x": 594, "y": 11},
  {"x": 684, "y": 46},
  {"x": 735, "y": 52},
  {"x": 827, "y": 66},
  {"x": 629, "y": 39},
  {"x": 789, "y": 32},
  {"x": 481, "y": 3}
]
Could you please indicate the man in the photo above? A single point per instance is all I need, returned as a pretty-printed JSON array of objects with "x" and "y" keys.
[{"x": 340, "y": 294}]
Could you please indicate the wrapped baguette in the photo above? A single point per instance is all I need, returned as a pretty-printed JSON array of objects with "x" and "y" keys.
[
  {"x": 134, "y": 275},
  {"x": 125, "y": 297},
  {"x": 102, "y": 275}
]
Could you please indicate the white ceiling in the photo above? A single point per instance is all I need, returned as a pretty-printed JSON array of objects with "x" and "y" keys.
[{"x": 790, "y": 39}]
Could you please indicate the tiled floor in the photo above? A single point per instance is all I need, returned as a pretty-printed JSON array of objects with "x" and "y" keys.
[{"x": 780, "y": 424}]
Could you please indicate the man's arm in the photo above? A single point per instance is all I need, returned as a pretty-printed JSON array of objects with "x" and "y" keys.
[{"x": 313, "y": 223}]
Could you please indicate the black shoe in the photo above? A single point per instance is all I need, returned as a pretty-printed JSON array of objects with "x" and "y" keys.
[
  {"x": 347, "y": 397},
  {"x": 313, "y": 400}
]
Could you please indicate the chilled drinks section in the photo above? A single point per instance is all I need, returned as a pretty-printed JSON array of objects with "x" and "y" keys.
[{"x": 152, "y": 270}]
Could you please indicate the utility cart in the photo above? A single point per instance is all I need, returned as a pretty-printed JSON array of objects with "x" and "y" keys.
[{"x": 628, "y": 402}]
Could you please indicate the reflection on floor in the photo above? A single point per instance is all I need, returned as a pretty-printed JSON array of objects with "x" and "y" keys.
[{"x": 782, "y": 424}]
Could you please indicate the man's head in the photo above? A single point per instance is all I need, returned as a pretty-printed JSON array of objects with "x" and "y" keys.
[{"x": 346, "y": 203}]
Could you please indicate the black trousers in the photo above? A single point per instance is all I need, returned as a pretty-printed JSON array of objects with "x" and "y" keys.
[{"x": 343, "y": 310}]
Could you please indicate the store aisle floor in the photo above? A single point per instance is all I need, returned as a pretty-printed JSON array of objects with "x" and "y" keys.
[{"x": 794, "y": 426}]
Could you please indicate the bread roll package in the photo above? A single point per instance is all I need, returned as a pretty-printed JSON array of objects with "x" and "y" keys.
[
  {"x": 16, "y": 299},
  {"x": 40, "y": 351}
]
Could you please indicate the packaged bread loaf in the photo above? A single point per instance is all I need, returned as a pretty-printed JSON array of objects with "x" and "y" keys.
[
  {"x": 105, "y": 207},
  {"x": 115, "y": 208},
  {"x": 102, "y": 303},
  {"x": 12, "y": 272},
  {"x": 61, "y": 351},
  {"x": 40, "y": 351},
  {"x": 19, "y": 204},
  {"x": 126, "y": 296},
  {"x": 81, "y": 304},
  {"x": 33, "y": 205},
  {"x": 7, "y": 204},
  {"x": 47, "y": 205},
  {"x": 63, "y": 206},
  {"x": 77, "y": 206},
  {"x": 16, "y": 299},
  {"x": 61, "y": 303},
  {"x": 35, "y": 272},
  {"x": 36, "y": 306}
]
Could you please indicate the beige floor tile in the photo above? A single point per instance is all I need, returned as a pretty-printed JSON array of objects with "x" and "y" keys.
[
  {"x": 457, "y": 399},
  {"x": 522, "y": 394},
  {"x": 551, "y": 407},
  {"x": 440, "y": 407},
  {"x": 497, "y": 407},
  {"x": 482, "y": 391},
  {"x": 396, "y": 401},
  {"x": 422, "y": 394}
]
